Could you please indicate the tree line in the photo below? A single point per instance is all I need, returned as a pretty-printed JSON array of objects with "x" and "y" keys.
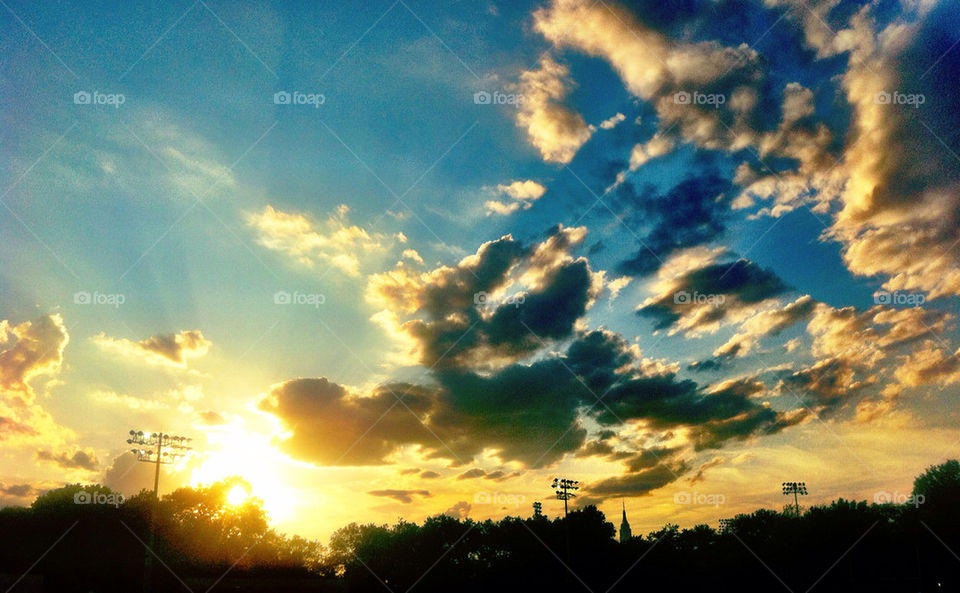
[{"x": 844, "y": 546}]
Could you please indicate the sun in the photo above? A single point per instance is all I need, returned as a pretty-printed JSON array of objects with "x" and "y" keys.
[
  {"x": 237, "y": 496},
  {"x": 237, "y": 452}
]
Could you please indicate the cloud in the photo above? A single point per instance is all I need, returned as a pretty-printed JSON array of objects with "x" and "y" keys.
[
  {"x": 764, "y": 324},
  {"x": 900, "y": 206},
  {"x": 555, "y": 130},
  {"x": 166, "y": 349},
  {"x": 867, "y": 337},
  {"x": 529, "y": 413},
  {"x": 849, "y": 346},
  {"x": 657, "y": 146},
  {"x": 36, "y": 349},
  {"x": 611, "y": 122},
  {"x": 699, "y": 476},
  {"x": 336, "y": 243},
  {"x": 636, "y": 484},
  {"x": 128, "y": 475},
  {"x": 523, "y": 194},
  {"x": 211, "y": 418},
  {"x": 695, "y": 293},
  {"x": 692, "y": 213},
  {"x": 79, "y": 459},
  {"x": 429, "y": 475},
  {"x": 496, "y": 476},
  {"x": 17, "y": 490},
  {"x": 460, "y": 510},
  {"x": 403, "y": 496},
  {"x": 18, "y": 494},
  {"x": 494, "y": 307},
  {"x": 894, "y": 210},
  {"x": 355, "y": 430},
  {"x": 30, "y": 349},
  {"x": 412, "y": 255}
]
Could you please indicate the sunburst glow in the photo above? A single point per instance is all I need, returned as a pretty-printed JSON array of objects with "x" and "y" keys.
[
  {"x": 235, "y": 451},
  {"x": 237, "y": 495}
]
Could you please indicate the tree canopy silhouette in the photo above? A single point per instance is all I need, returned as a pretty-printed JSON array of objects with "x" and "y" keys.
[{"x": 842, "y": 546}]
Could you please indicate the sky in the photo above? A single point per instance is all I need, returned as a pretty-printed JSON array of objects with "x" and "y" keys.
[{"x": 396, "y": 259}]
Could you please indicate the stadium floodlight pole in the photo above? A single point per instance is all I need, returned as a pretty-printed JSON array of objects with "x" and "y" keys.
[
  {"x": 565, "y": 491},
  {"x": 537, "y": 510},
  {"x": 157, "y": 448},
  {"x": 725, "y": 525},
  {"x": 797, "y": 489}
]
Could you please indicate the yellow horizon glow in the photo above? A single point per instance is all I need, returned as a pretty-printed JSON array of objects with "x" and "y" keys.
[{"x": 237, "y": 452}]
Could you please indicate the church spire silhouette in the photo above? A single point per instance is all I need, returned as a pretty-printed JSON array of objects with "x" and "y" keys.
[{"x": 625, "y": 533}]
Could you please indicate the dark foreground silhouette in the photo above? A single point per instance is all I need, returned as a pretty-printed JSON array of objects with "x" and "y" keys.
[{"x": 204, "y": 544}]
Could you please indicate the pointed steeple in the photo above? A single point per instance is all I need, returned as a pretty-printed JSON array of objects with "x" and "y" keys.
[{"x": 625, "y": 533}]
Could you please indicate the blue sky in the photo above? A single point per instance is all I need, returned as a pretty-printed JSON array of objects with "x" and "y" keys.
[{"x": 808, "y": 203}]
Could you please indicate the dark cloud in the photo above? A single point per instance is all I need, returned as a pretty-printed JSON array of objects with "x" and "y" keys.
[
  {"x": 128, "y": 475},
  {"x": 824, "y": 386},
  {"x": 699, "y": 476},
  {"x": 429, "y": 475},
  {"x": 650, "y": 458},
  {"x": 692, "y": 213},
  {"x": 18, "y": 490},
  {"x": 634, "y": 484},
  {"x": 528, "y": 413},
  {"x": 79, "y": 459},
  {"x": 331, "y": 426},
  {"x": 10, "y": 428},
  {"x": 404, "y": 496},
  {"x": 460, "y": 510},
  {"x": 168, "y": 349},
  {"x": 176, "y": 347},
  {"x": 711, "y": 293},
  {"x": 462, "y": 316},
  {"x": 211, "y": 418}
]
